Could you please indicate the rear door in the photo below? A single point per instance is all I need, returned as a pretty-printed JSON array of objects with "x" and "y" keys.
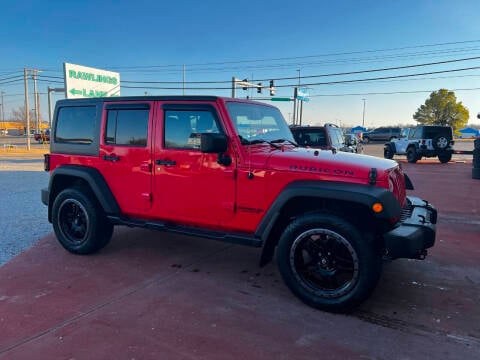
[
  {"x": 125, "y": 154},
  {"x": 190, "y": 186}
]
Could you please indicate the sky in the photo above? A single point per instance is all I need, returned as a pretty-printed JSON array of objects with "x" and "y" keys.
[{"x": 212, "y": 41}]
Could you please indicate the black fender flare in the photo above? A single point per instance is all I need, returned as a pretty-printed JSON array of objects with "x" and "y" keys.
[
  {"x": 92, "y": 177},
  {"x": 366, "y": 195}
]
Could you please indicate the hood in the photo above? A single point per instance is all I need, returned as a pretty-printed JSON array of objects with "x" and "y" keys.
[{"x": 325, "y": 162}]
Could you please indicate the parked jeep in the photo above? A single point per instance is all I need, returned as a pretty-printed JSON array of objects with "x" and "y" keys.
[
  {"x": 422, "y": 141},
  {"x": 230, "y": 170}
]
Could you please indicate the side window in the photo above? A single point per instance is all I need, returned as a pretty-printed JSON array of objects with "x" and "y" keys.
[
  {"x": 75, "y": 124},
  {"x": 415, "y": 133},
  {"x": 335, "y": 137},
  {"x": 183, "y": 128},
  {"x": 127, "y": 127}
]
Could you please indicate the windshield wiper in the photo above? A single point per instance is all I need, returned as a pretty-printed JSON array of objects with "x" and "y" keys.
[
  {"x": 257, "y": 141},
  {"x": 285, "y": 140}
]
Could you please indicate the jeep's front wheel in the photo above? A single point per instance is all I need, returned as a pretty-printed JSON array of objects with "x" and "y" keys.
[
  {"x": 388, "y": 152},
  {"x": 326, "y": 262},
  {"x": 79, "y": 224}
]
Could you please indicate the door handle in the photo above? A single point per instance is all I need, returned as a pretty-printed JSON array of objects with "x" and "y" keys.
[
  {"x": 113, "y": 158},
  {"x": 165, "y": 162}
]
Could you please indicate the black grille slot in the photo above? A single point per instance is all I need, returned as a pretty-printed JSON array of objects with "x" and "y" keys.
[{"x": 406, "y": 212}]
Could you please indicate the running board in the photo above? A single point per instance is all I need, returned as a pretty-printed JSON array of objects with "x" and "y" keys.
[{"x": 239, "y": 239}]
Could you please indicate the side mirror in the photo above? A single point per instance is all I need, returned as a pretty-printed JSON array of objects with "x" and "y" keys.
[{"x": 213, "y": 143}]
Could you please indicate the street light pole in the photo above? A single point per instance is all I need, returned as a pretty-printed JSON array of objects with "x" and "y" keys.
[{"x": 363, "y": 119}]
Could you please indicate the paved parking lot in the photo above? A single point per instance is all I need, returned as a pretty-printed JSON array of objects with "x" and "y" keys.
[{"x": 156, "y": 295}]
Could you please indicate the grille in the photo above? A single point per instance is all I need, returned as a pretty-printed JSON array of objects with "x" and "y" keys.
[
  {"x": 406, "y": 211},
  {"x": 398, "y": 180}
]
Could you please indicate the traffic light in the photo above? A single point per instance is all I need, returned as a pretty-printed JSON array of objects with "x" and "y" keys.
[
  {"x": 272, "y": 88},
  {"x": 245, "y": 87},
  {"x": 259, "y": 88}
]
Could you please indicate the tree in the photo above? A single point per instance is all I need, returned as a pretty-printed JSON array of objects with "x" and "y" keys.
[
  {"x": 442, "y": 108},
  {"x": 20, "y": 115}
]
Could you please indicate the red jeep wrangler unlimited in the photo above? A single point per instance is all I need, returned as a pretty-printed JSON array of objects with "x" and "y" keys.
[{"x": 230, "y": 170}]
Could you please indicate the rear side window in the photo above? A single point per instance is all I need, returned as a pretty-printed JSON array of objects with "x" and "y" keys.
[
  {"x": 127, "y": 127},
  {"x": 76, "y": 124},
  {"x": 311, "y": 137}
]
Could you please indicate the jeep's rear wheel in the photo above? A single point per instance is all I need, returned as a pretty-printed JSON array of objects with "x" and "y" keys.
[
  {"x": 412, "y": 156},
  {"x": 79, "y": 224},
  {"x": 326, "y": 262},
  {"x": 445, "y": 158}
]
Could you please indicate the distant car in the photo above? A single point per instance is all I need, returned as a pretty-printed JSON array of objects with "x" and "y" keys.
[
  {"x": 42, "y": 137},
  {"x": 382, "y": 134},
  {"x": 354, "y": 142},
  {"x": 328, "y": 137}
]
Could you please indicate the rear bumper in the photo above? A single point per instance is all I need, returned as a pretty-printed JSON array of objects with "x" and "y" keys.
[
  {"x": 45, "y": 195},
  {"x": 415, "y": 233}
]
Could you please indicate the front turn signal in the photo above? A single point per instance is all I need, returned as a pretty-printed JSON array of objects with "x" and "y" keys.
[{"x": 377, "y": 208}]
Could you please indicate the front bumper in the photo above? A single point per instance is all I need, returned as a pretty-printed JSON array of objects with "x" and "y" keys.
[{"x": 415, "y": 232}]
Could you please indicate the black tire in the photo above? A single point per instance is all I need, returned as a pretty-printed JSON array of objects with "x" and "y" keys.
[
  {"x": 79, "y": 223},
  {"x": 388, "y": 152},
  {"x": 326, "y": 262},
  {"x": 445, "y": 157},
  {"x": 440, "y": 142},
  {"x": 412, "y": 156}
]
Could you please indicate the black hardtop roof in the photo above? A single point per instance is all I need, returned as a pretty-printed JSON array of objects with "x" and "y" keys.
[{"x": 97, "y": 100}]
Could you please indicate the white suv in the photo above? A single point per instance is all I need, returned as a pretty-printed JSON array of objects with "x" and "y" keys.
[{"x": 422, "y": 141}]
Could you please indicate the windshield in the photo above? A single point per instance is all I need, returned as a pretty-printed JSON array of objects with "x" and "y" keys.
[{"x": 256, "y": 123}]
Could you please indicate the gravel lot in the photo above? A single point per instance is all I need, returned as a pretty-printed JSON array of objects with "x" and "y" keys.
[{"x": 23, "y": 217}]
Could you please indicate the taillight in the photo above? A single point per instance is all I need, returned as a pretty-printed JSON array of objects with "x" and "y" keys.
[{"x": 46, "y": 162}]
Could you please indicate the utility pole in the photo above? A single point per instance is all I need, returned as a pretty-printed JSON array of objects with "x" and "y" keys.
[
  {"x": 27, "y": 110},
  {"x": 3, "y": 112},
  {"x": 363, "y": 119},
  {"x": 35, "y": 100},
  {"x": 299, "y": 120},
  {"x": 50, "y": 90}
]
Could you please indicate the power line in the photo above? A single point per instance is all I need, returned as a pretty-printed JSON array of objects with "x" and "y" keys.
[
  {"x": 302, "y": 57},
  {"x": 390, "y": 92}
]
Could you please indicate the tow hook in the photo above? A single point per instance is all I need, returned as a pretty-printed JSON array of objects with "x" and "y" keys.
[{"x": 422, "y": 255}]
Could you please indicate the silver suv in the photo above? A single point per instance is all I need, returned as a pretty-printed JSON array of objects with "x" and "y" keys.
[{"x": 382, "y": 134}]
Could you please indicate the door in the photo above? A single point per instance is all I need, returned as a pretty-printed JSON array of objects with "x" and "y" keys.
[
  {"x": 190, "y": 186},
  {"x": 402, "y": 142},
  {"x": 125, "y": 155}
]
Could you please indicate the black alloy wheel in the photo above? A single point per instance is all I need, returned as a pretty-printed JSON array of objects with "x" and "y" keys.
[
  {"x": 79, "y": 223},
  {"x": 325, "y": 262},
  {"x": 412, "y": 156}
]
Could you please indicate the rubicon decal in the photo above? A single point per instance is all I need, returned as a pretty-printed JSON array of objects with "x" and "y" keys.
[{"x": 315, "y": 169}]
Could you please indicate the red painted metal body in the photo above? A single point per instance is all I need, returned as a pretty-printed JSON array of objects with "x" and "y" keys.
[{"x": 198, "y": 191}]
